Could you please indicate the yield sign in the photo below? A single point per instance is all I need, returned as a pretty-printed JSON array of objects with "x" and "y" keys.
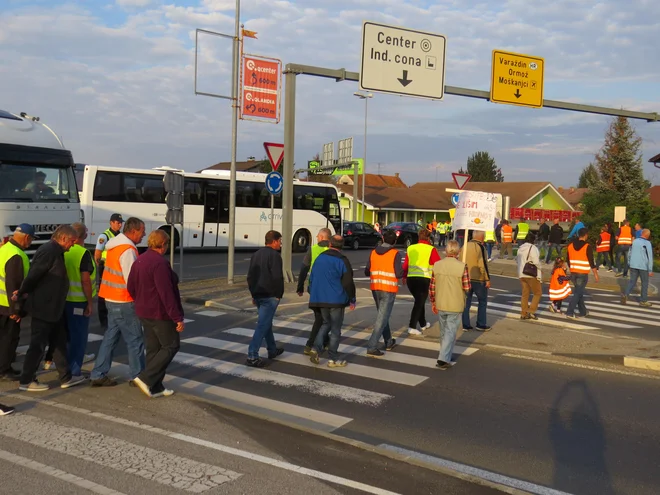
[
  {"x": 275, "y": 154},
  {"x": 461, "y": 179}
]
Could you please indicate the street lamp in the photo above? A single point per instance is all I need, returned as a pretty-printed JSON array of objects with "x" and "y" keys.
[{"x": 365, "y": 97}]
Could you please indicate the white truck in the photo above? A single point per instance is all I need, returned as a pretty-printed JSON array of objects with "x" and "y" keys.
[{"x": 37, "y": 181}]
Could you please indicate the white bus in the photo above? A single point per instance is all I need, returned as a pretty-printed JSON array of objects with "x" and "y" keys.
[
  {"x": 37, "y": 181},
  {"x": 140, "y": 193}
]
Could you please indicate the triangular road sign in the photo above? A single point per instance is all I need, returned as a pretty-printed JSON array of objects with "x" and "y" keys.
[
  {"x": 461, "y": 179},
  {"x": 275, "y": 153}
]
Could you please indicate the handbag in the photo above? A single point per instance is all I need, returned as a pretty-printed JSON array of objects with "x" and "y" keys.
[{"x": 530, "y": 269}]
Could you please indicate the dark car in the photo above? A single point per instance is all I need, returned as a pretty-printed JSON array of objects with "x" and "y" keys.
[
  {"x": 361, "y": 234},
  {"x": 407, "y": 233}
]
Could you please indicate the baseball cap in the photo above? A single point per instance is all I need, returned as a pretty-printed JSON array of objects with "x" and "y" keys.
[
  {"x": 116, "y": 217},
  {"x": 25, "y": 228}
]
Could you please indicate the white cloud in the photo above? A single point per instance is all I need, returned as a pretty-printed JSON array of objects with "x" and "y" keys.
[{"x": 133, "y": 3}]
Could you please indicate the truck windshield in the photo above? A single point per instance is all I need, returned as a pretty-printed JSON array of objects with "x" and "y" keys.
[{"x": 37, "y": 184}]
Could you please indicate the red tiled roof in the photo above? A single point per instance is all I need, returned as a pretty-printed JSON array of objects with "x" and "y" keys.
[
  {"x": 573, "y": 195},
  {"x": 248, "y": 166},
  {"x": 519, "y": 192},
  {"x": 401, "y": 198},
  {"x": 377, "y": 180}
]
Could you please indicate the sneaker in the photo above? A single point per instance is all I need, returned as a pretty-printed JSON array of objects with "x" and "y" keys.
[
  {"x": 467, "y": 329},
  {"x": 618, "y": 275},
  {"x": 104, "y": 381},
  {"x": 35, "y": 386},
  {"x": 73, "y": 381},
  {"x": 314, "y": 357},
  {"x": 414, "y": 331},
  {"x": 524, "y": 317},
  {"x": 645, "y": 304},
  {"x": 390, "y": 345},
  {"x": 624, "y": 299},
  {"x": 10, "y": 375},
  {"x": 255, "y": 362},
  {"x": 278, "y": 352},
  {"x": 337, "y": 364},
  {"x": 166, "y": 392},
  {"x": 610, "y": 270},
  {"x": 427, "y": 326},
  {"x": 483, "y": 329},
  {"x": 572, "y": 317},
  {"x": 6, "y": 410},
  {"x": 552, "y": 308},
  {"x": 142, "y": 386},
  {"x": 87, "y": 358},
  {"x": 532, "y": 316},
  {"x": 376, "y": 353},
  {"x": 49, "y": 365},
  {"x": 442, "y": 365},
  {"x": 307, "y": 350}
]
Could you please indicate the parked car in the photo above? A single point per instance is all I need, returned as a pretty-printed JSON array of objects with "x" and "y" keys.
[
  {"x": 361, "y": 234},
  {"x": 407, "y": 233}
]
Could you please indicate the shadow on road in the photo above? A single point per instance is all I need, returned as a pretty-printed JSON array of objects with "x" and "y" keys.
[{"x": 579, "y": 442}]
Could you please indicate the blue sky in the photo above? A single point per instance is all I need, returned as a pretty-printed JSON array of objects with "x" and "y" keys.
[{"x": 115, "y": 80}]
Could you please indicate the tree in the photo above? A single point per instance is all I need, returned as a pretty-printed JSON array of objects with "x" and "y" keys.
[
  {"x": 589, "y": 176},
  {"x": 264, "y": 166},
  {"x": 481, "y": 166}
]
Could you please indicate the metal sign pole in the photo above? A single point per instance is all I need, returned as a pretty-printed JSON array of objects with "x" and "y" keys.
[
  {"x": 172, "y": 229},
  {"x": 287, "y": 192},
  {"x": 355, "y": 190},
  {"x": 272, "y": 210},
  {"x": 181, "y": 238},
  {"x": 234, "y": 139}
]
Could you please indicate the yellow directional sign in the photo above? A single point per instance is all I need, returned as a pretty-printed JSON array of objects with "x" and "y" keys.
[{"x": 517, "y": 79}]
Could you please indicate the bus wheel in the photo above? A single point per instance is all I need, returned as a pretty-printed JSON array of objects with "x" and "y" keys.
[
  {"x": 300, "y": 241},
  {"x": 168, "y": 229}
]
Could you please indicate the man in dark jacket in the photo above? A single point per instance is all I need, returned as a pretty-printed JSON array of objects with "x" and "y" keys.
[
  {"x": 46, "y": 286},
  {"x": 554, "y": 241},
  {"x": 154, "y": 287},
  {"x": 266, "y": 283},
  {"x": 331, "y": 290},
  {"x": 543, "y": 238}
]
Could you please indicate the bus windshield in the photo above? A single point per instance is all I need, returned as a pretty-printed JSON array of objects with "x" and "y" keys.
[{"x": 37, "y": 184}]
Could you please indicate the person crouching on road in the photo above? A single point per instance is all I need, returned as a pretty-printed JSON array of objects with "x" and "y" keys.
[
  {"x": 527, "y": 259},
  {"x": 560, "y": 289},
  {"x": 155, "y": 289},
  {"x": 266, "y": 283},
  {"x": 448, "y": 289},
  {"x": 384, "y": 268},
  {"x": 417, "y": 266},
  {"x": 331, "y": 290}
]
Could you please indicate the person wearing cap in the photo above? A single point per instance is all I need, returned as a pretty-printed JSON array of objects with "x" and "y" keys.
[
  {"x": 14, "y": 266},
  {"x": 100, "y": 254}
]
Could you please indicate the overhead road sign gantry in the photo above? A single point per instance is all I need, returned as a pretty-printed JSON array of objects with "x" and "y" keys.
[
  {"x": 517, "y": 79},
  {"x": 402, "y": 61}
]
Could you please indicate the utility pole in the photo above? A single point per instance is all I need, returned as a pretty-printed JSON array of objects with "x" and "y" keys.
[{"x": 365, "y": 97}]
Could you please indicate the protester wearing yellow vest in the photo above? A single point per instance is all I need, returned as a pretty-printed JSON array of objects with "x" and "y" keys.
[
  {"x": 322, "y": 244},
  {"x": 522, "y": 229},
  {"x": 384, "y": 268},
  {"x": 81, "y": 270},
  {"x": 490, "y": 240},
  {"x": 442, "y": 233},
  {"x": 418, "y": 265},
  {"x": 14, "y": 265},
  {"x": 122, "y": 253},
  {"x": 100, "y": 254},
  {"x": 581, "y": 262},
  {"x": 624, "y": 240}
]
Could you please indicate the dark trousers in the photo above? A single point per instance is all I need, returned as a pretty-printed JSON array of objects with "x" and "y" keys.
[
  {"x": 316, "y": 326},
  {"x": 10, "y": 331},
  {"x": 101, "y": 307},
  {"x": 42, "y": 331},
  {"x": 419, "y": 288},
  {"x": 579, "y": 288},
  {"x": 162, "y": 342}
]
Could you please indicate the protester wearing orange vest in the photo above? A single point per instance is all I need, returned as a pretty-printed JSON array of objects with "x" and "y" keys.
[
  {"x": 624, "y": 240},
  {"x": 507, "y": 240},
  {"x": 603, "y": 248},
  {"x": 122, "y": 320},
  {"x": 581, "y": 262},
  {"x": 560, "y": 289},
  {"x": 385, "y": 268}
]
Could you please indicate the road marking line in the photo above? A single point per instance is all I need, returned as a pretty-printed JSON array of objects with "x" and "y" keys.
[
  {"x": 188, "y": 320},
  {"x": 302, "y": 360},
  {"x": 92, "y": 337},
  {"x": 473, "y": 471},
  {"x": 110, "y": 452},
  {"x": 57, "y": 473},
  {"x": 346, "y": 349},
  {"x": 312, "y": 473},
  {"x": 208, "y": 312},
  {"x": 620, "y": 307},
  {"x": 308, "y": 385},
  {"x": 498, "y": 290},
  {"x": 403, "y": 341},
  {"x": 517, "y": 349},
  {"x": 516, "y": 315},
  {"x": 591, "y": 314},
  {"x": 582, "y": 366}
]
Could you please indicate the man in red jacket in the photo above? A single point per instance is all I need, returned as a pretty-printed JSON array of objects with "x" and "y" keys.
[{"x": 155, "y": 289}]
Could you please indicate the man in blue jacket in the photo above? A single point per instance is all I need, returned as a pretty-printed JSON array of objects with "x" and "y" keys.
[
  {"x": 641, "y": 266},
  {"x": 331, "y": 290},
  {"x": 574, "y": 231}
]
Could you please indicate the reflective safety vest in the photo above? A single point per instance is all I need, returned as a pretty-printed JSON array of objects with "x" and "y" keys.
[
  {"x": 316, "y": 250},
  {"x": 113, "y": 285},
  {"x": 604, "y": 245},
  {"x": 109, "y": 235},
  {"x": 523, "y": 230},
  {"x": 490, "y": 236},
  {"x": 559, "y": 291},
  {"x": 418, "y": 260},
  {"x": 625, "y": 236},
  {"x": 578, "y": 260},
  {"x": 7, "y": 252},
  {"x": 442, "y": 228},
  {"x": 383, "y": 277},
  {"x": 507, "y": 233},
  {"x": 72, "y": 259}
]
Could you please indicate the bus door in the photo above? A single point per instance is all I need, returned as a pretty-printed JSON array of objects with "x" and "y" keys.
[{"x": 216, "y": 215}]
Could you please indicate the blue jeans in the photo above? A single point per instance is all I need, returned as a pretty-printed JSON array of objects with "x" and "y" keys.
[
  {"x": 541, "y": 245},
  {"x": 602, "y": 258},
  {"x": 333, "y": 319},
  {"x": 622, "y": 251},
  {"x": 384, "y": 304},
  {"x": 489, "y": 249},
  {"x": 636, "y": 273},
  {"x": 449, "y": 325},
  {"x": 78, "y": 327},
  {"x": 266, "y": 306},
  {"x": 123, "y": 321},
  {"x": 552, "y": 246},
  {"x": 478, "y": 288},
  {"x": 579, "y": 289}
]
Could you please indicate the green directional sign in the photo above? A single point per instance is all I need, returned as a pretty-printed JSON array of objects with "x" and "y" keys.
[{"x": 338, "y": 170}]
